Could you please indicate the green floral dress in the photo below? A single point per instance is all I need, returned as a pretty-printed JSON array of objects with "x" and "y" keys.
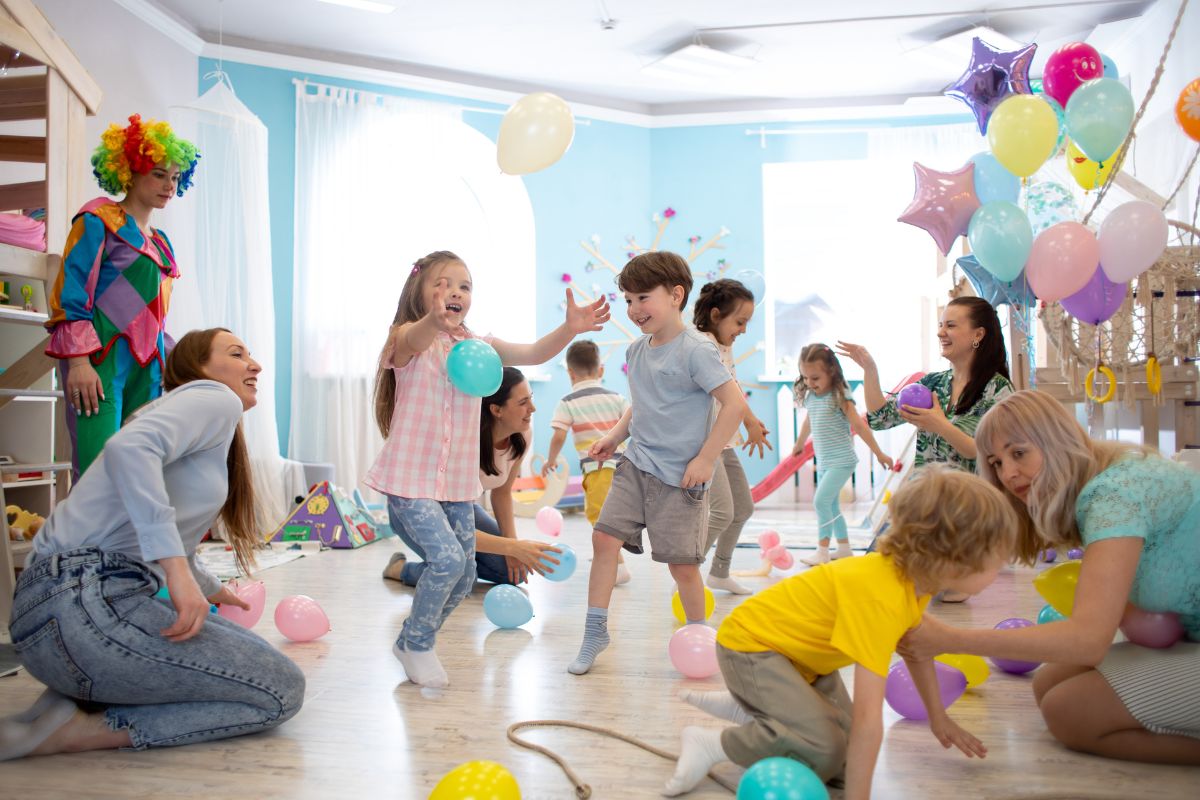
[{"x": 931, "y": 448}]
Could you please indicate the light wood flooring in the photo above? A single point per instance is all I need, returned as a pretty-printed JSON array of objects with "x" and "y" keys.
[{"x": 365, "y": 734}]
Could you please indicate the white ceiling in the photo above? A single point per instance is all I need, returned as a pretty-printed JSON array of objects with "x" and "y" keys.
[{"x": 808, "y": 54}]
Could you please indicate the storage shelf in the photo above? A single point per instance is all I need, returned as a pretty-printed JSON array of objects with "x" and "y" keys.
[
  {"x": 10, "y": 485},
  {"x": 51, "y": 466},
  {"x": 41, "y": 395},
  {"x": 22, "y": 316}
]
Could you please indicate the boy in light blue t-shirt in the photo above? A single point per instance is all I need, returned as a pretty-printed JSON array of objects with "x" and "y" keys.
[{"x": 662, "y": 483}]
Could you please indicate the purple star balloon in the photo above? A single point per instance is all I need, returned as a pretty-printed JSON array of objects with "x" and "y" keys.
[
  {"x": 942, "y": 203},
  {"x": 992, "y": 76}
]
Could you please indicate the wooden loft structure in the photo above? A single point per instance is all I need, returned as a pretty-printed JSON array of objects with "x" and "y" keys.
[{"x": 41, "y": 80}]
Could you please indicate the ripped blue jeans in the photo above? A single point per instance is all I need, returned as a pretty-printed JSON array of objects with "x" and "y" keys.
[{"x": 445, "y": 531}]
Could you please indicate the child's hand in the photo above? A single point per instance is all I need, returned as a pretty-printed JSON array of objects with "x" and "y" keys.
[
  {"x": 548, "y": 467},
  {"x": 699, "y": 471},
  {"x": 886, "y": 461},
  {"x": 949, "y": 732},
  {"x": 226, "y": 597},
  {"x": 798, "y": 447},
  {"x": 442, "y": 317},
  {"x": 590, "y": 317},
  {"x": 757, "y": 432},
  {"x": 603, "y": 449}
]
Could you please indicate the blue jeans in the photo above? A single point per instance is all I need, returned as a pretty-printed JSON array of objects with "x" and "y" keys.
[
  {"x": 490, "y": 567},
  {"x": 829, "y": 514},
  {"x": 86, "y": 624},
  {"x": 443, "y": 532}
]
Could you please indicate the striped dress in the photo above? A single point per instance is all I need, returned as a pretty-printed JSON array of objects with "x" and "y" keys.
[{"x": 832, "y": 443}]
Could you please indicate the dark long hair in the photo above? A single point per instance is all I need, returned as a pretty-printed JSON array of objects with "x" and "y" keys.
[
  {"x": 724, "y": 295},
  {"x": 991, "y": 358},
  {"x": 410, "y": 309},
  {"x": 185, "y": 364},
  {"x": 516, "y": 443}
]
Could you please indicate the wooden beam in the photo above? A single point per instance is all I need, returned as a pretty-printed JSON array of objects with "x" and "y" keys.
[
  {"x": 27, "y": 370},
  {"x": 59, "y": 54},
  {"x": 23, "y": 97},
  {"x": 23, "y": 263},
  {"x": 17, "y": 38},
  {"x": 23, "y": 149},
  {"x": 1138, "y": 189},
  {"x": 58, "y": 163},
  {"x": 23, "y": 195}
]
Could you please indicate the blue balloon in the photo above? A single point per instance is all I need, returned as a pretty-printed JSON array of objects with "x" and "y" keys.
[
  {"x": 1001, "y": 238},
  {"x": 1110, "y": 67},
  {"x": 781, "y": 779},
  {"x": 994, "y": 182},
  {"x": 474, "y": 367},
  {"x": 1049, "y": 614},
  {"x": 1099, "y": 114},
  {"x": 507, "y": 606},
  {"x": 565, "y": 567},
  {"x": 1016, "y": 292}
]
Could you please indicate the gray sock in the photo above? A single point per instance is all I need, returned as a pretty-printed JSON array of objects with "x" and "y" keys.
[
  {"x": 595, "y": 639},
  {"x": 697, "y": 622}
]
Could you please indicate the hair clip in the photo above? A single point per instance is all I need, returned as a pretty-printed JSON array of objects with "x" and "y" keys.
[{"x": 416, "y": 268}]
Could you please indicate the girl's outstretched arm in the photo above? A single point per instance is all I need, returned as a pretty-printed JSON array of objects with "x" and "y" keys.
[{"x": 579, "y": 319}]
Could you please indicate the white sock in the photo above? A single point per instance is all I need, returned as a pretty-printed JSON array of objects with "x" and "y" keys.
[
  {"x": 817, "y": 558},
  {"x": 719, "y": 704},
  {"x": 422, "y": 668},
  {"x": 728, "y": 584},
  {"x": 623, "y": 575},
  {"x": 843, "y": 550},
  {"x": 700, "y": 751}
]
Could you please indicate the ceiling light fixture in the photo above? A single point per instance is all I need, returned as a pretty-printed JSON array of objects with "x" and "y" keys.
[
  {"x": 955, "y": 49},
  {"x": 698, "y": 61},
  {"x": 363, "y": 5}
]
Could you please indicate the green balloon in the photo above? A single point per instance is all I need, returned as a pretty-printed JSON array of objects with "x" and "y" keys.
[
  {"x": 779, "y": 778},
  {"x": 474, "y": 367},
  {"x": 1049, "y": 614},
  {"x": 1099, "y": 114}
]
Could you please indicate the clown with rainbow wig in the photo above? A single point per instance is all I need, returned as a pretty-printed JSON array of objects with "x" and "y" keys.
[{"x": 109, "y": 302}]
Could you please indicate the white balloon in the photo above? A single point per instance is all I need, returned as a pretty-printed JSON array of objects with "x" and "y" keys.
[
  {"x": 1131, "y": 239},
  {"x": 535, "y": 132}
]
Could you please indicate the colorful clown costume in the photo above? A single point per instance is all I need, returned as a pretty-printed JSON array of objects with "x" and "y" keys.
[{"x": 108, "y": 303}]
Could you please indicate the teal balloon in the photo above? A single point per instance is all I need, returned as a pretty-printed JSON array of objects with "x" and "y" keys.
[
  {"x": 1099, "y": 114},
  {"x": 1110, "y": 67},
  {"x": 994, "y": 182},
  {"x": 781, "y": 779},
  {"x": 474, "y": 367},
  {"x": 1001, "y": 238},
  {"x": 1049, "y": 614},
  {"x": 507, "y": 606}
]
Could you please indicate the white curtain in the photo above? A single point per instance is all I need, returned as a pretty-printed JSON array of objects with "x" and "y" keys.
[
  {"x": 380, "y": 182},
  {"x": 227, "y": 279}
]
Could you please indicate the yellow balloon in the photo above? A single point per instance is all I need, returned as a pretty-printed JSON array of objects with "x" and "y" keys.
[
  {"x": 710, "y": 603},
  {"x": 477, "y": 780},
  {"x": 1023, "y": 132},
  {"x": 535, "y": 132},
  {"x": 1087, "y": 173},
  {"x": 973, "y": 667},
  {"x": 1057, "y": 586}
]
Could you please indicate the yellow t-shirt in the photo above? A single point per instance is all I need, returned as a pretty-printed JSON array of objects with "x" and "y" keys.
[{"x": 853, "y": 610}]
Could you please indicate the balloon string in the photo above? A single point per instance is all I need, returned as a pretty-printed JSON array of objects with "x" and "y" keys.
[
  {"x": 1119, "y": 160},
  {"x": 582, "y": 790},
  {"x": 1186, "y": 174}
]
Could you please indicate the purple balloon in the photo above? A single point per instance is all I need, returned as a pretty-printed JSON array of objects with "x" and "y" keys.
[
  {"x": 1151, "y": 628},
  {"x": 1012, "y": 665},
  {"x": 1075, "y": 553},
  {"x": 991, "y": 77},
  {"x": 916, "y": 395},
  {"x": 1049, "y": 554},
  {"x": 902, "y": 695},
  {"x": 1097, "y": 301}
]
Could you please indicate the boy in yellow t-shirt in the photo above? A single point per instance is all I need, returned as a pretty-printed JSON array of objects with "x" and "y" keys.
[{"x": 780, "y": 651}]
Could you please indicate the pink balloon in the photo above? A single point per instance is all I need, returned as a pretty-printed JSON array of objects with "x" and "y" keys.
[
  {"x": 255, "y": 594},
  {"x": 943, "y": 203},
  {"x": 1131, "y": 239},
  {"x": 300, "y": 619},
  {"x": 549, "y": 521},
  {"x": 693, "y": 651},
  {"x": 1151, "y": 628},
  {"x": 1068, "y": 67},
  {"x": 779, "y": 557},
  {"x": 768, "y": 539},
  {"x": 1063, "y": 259}
]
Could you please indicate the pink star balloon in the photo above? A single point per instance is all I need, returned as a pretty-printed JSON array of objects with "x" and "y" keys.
[{"x": 942, "y": 203}]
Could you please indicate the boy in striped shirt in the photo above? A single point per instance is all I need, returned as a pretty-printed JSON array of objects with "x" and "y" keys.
[{"x": 588, "y": 411}]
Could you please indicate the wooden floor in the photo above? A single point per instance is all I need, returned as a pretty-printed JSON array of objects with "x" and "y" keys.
[{"x": 365, "y": 734}]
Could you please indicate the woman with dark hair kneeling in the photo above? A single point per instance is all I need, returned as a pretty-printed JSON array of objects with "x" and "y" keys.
[{"x": 85, "y": 619}]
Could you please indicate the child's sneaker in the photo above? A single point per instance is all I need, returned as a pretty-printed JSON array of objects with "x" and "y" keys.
[{"x": 817, "y": 558}]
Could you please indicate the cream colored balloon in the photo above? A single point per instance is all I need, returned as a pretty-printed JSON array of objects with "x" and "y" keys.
[{"x": 535, "y": 132}]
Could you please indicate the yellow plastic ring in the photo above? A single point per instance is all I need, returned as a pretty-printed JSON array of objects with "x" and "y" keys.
[
  {"x": 1153, "y": 375},
  {"x": 1112, "y": 384}
]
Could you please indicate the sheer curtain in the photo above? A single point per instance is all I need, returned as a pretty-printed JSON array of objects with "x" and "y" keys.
[
  {"x": 381, "y": 181},
  {"x": 227, "y": 275}
]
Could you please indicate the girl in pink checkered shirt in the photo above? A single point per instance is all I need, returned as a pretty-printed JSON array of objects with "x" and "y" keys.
[{"x": 429, "y": 465}]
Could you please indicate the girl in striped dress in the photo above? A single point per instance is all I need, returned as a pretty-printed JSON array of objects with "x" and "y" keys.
[{"x": 822, "y": 391}]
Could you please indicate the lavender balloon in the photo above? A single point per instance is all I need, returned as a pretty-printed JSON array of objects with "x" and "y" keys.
[
  {"x": 1075, "y": 553},
  {"x": 902, "y": 695},
  {"x": 1049, "y": 554},
  {"x": 1012, "y": 665},
  {"x": 916, "y": 395},
  {"x": 1097, "y": 301},
  {"x": 991, "y": 77},
  {"x": 1151, "y": 628}
]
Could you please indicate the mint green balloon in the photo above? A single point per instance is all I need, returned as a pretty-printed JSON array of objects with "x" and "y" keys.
[
  {"x": 1001, "y": 238},
  {"x": 1099, "y": 114},
  {"x": 474, "y": 367},
  {"x": 779, "y": 778},
  {"x": 1049, "y": 614}
]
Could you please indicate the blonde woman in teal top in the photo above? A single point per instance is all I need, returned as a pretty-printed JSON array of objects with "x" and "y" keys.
[{"x": 1137, "y": 516}]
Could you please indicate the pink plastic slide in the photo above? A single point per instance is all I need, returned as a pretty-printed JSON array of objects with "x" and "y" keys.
[{"x": 788, "y": 466}]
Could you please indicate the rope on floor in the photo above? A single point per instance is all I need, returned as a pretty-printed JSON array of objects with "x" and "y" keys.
[{"x": 582, "y": 790}]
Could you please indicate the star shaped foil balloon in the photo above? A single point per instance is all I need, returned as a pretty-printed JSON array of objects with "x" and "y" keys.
[
  {"x": 992, "y": 76},
  {"x": 997, "y": 292},
  {"x": 943, "y": 203}
]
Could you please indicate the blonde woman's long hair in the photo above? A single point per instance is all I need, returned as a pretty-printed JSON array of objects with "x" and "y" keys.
[{"x": 1070, "y": 458}]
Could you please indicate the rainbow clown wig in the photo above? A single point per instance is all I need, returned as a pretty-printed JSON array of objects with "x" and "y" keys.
[{"x": 138, "y": 148}]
